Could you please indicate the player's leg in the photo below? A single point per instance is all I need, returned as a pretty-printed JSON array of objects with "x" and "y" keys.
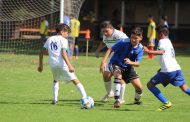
[
  {"x": 178, "y": 80},
  {"x": 185, "y": 89},
  {"x": 55, "y": 92},
  {"x": 138, "y": 90},
  {"x": 157, "y": 93},
  {"x": 160, "y": 77},
  {"x": 80, "y": 88},
  {"x": 122, "y": 92},
  {"x": 70, "y": 76},
  {"x": 117, "y": 87},
  {"x": 108, "y": 86},
  {"x": 55, "y": 88}
]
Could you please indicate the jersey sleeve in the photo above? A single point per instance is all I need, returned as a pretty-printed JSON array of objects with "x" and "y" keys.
[
  {"x": 140, "y": 55},
  {"x": 64, "y": 44},
  {"x": 46, "y": 45},
  {"x": 161, "y": 46}
]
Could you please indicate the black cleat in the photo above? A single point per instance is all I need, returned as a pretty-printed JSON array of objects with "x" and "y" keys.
[
  {"x": 54, "y": 102},
  {"x": 137, "y": 103},
  {"x": 117, "y": 104}
]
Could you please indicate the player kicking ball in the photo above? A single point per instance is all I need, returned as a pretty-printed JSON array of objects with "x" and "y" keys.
[
  {"x": 170, "y": 71},
  {"x": 60, "y": 65},
  {"x": 127, "y": 54}
]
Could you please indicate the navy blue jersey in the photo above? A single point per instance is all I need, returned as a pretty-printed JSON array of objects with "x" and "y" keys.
[{"x": 124, "y": 49}]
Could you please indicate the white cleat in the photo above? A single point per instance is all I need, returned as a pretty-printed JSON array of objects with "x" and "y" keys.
[
  {"x": 122, "y": 101},
  {"x": 107, "y": 97}
]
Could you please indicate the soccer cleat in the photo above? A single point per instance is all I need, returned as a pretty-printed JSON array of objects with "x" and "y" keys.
[
  {"x": 164, "y": 106},
  {"x": 117, "y": 104},
  {"x": 54, "y": 102},
  {"x": 107, "y": 97},
  {"x": 137, "y": 102},
  {"x": 122, "y": 101}
]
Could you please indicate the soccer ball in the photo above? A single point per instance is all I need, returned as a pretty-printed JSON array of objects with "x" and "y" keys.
[{"x": 87, "y": 103}]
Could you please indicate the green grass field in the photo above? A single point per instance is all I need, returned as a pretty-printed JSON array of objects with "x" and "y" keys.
[{"x": 25, "y": 94}]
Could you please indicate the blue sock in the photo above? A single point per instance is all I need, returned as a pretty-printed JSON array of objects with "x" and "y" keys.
[
  {"x": 188, "y": 91},
  {"x": 158, "y": 94}
]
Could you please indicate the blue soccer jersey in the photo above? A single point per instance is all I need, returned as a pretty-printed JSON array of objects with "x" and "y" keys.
[{"x": 124, "y": 49}]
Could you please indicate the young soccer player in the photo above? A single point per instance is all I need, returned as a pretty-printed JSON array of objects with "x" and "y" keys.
[
  {"x": 151, "y": 35},
  {"x": 58, "y": 60},
  {"x": 127, "y": 54},
  {"x": 170, "y": 71},
  {"x": 110, "y": 37}
]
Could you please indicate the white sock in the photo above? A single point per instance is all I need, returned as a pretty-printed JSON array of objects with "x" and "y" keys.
[
  {"x": 122, "y": 92},
  {"x": 81, "y": 89},
  {"x": 55, "y": 91},
  {"x": 108, "y": 87},
  {"x": 138, "y": 95},
  {"x": 117, "y": 88}
]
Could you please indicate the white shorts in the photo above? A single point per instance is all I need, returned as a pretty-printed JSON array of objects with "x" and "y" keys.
[
  {"x": 62, "y": 73},
  {"x": 107, "y": 67}
]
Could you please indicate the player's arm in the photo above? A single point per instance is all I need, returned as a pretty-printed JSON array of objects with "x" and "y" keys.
[
  {"x": 157, "y": 52},
  {"x": 100, "y": 47},
  {"x": 133, "y": 63},
  {"x": 41, "y": 53},
  {"x": 137, "y": 61},
  {"x": 104, "y": 60},
  {"x": 65, "y": 57}
]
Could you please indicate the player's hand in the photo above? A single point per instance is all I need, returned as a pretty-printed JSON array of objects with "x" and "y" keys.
[
  {"x": 97, "y": 54},
  {"x": 40, "y": 68},
  {"x": 71, "y": 69},
  {"x": 102, "y": 67},
  {"x": 127, "y": 61},
  {"x": 145, "y": 49}
]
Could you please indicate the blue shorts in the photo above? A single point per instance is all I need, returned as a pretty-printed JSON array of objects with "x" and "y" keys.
[{"x": 175, "y": 78}]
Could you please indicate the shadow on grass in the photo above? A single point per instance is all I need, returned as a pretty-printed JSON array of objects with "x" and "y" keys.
[{"x": 117, "y": 109}]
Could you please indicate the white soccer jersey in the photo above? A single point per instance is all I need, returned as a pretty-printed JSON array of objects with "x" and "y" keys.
[
  {"x": 167, "y": 60},
  {"x": 54, "y": 45},
  {"x": 110, "y": 41}
]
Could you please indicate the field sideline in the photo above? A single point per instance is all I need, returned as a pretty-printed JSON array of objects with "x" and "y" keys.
[{"x": 25, "y": 94}]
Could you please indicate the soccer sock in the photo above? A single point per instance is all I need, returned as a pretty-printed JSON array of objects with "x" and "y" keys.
[
  {"x": 122, "y": 92},
  {"x": 55, "y": 91},
  {"x": 81, "y": 89},
  {"x": 188, "y": 91},
  {"x": 117, "y": 88},
  {"x": 138, "y": 95},
  {"x": 158, "y": 94},
  {"x": 108, "y": 86}
]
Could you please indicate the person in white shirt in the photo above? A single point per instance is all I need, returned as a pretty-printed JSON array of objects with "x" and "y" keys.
[
  {"x": 170, "y": 72},
  {"x": 110, "y": 37},
  {"x": 60, "y": 65}
]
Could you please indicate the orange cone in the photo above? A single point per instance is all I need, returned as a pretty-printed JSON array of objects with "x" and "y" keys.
[{"x": 87, "y": 36}]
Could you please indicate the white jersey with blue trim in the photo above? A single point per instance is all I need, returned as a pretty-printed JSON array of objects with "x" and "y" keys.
[
  {"x": 110, "y": 41},
  {"x": 55, "y": 45},
  {"x": 167, "y": 60}
]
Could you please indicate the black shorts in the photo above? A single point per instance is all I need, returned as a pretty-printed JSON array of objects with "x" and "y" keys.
[{"x": 128, "y": 73}]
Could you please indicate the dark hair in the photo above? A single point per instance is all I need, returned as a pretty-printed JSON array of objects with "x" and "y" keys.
[
  {"x": 164, "y": 18},
  {"x": 163, "y": 29},
  {"x": 150, "y": 16},
  {"x": 106, "y": 24},
  {"x": 137, "y": 31},
  {"x": 62, "y": 27}
]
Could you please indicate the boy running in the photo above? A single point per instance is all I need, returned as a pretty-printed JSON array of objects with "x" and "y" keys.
[
  {"x": 170, "y": 71},
  {"x": 127, "y": 53},
  {"x": 61, "y": 67},
  {"x": 110, "y": 37}
]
